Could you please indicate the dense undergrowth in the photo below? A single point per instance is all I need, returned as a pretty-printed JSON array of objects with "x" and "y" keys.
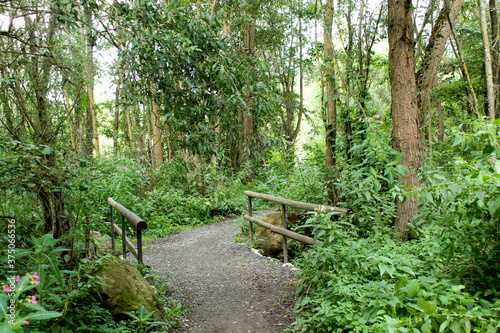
[{"x": 362, "y": 278}]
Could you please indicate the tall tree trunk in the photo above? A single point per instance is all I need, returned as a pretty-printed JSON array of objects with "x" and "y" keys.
[
  {"x": 487, "y": 61},
  {"x": 247, "y": 119},
  {"x": 427, "y": 74},
  {"x": 117, "y": 104},
  {"x": 495, "y": 54},
  {"x": 72, "y": 133},
  {"x": 404, "y": 103},
  {"x": 92, "y": 131},
  {"x": 331, "y": 101},
  {"x": 157, "y": 150}
]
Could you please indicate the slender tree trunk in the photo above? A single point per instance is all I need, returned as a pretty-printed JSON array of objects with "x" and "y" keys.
[
  {"x": 404, "y": 103},
  {"x": 157, "y": 150},
  {"x": 72, "y": 133},
  {"x": 495, "y": 54},
  {"x": 117, "y": 104},
  {"x": 331, "y": 108},
  {"x": 439, "y": 109},
  {"x": 427, "y": 74},
  {"x": 92, "y": 131},
  {"x": 128, "y": 126},
  {"x": 487, "y": 61},
  {"x": 247, "y": 119}
]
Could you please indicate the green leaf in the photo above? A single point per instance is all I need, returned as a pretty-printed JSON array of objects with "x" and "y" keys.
[
  {"x": 55, "y": 269},
  {"x": 497, "y": 166},
  {"x": 444, "y": 325},
  {"x": 455, "y": 188},
  {"x": 455, "y": 327},
  {"x": 414, "y": 287},
  {"x": 41, "y": 315},
  {"x": 3, "y": 306},
  {"x": 406, "y": 269},
  {"x": 493, "y": 205},
  {"x": 386, "y": 268},
  {"x": 47, "y": 151},
  {"x": 5, "y": 328},
  {"x": 457, "y": 141},
  {"x": 398, "y": 285},
  {"x": 429, "y": 308}
]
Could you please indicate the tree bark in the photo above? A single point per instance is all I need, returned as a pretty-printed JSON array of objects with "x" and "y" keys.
[
  {"x": 247, "y": 119},
  {"x": 331, "y": 108},
  {"x": 404, "y": 103},
  {"x": 427, "y": 74},
  {"x": 439, "y": 109},
  {"x": 92, "y": 137},
  {"x": 495, "y": 54},
  {"x": 157, "y": 150},
  {"x": 487, "y": 61}
]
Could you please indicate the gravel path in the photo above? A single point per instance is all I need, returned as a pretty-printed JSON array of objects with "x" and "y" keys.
[{"x": 228, "y": 287}]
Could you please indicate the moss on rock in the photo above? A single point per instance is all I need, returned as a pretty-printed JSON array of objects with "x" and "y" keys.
[{"x": 124, "y": 289}]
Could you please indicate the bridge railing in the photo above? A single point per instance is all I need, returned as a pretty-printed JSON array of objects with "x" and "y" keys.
[
  {"x": 136, "y": 221},
  {"x": 284, "y": 231}
]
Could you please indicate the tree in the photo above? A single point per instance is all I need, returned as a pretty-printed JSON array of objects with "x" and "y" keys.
[
  {"x": 404, "y": 102},
  {"x": 487, "y": 61},
  {"x": 34, "y": 67},
  {"x": 330, "y": 118},
  {"x": 410, "y": 92}
]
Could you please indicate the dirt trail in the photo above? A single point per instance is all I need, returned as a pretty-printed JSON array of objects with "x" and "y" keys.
[{"x": 228, "y": 287}]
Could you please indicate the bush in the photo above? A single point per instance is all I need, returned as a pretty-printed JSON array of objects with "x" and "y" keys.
[{"x": 381, "y": 284}]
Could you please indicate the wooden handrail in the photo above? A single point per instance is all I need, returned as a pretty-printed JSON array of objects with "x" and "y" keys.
[
  {"x": 138, "y": 223},
  {"x": 295, "y": 204},
  {"x": 284, "y": 231}
]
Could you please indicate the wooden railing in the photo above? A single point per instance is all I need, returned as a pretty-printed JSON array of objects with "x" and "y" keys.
[
  {"x": 284, "y": 231},
  {"x": 138, "y": 223}
]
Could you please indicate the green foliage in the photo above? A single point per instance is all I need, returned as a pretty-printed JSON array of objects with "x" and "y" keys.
[
  {"x": 381, "y": 284},
  {"x": 368, "y": 182}
]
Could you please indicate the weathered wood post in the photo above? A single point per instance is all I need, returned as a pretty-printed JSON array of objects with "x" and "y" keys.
[
  {"x": 285, "y": 248},
  {"x": 123, "y": 237},
  {"x": 250, "y": 214},
  {"x": 112, "y": 228}
]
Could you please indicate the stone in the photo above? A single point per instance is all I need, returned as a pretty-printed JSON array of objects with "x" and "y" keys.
[
  {"x": 124, "y": 289},
  {"x": 270, "y": 243}
]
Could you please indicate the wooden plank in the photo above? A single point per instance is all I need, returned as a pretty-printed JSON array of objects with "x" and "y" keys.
[
  {"x": 295, "y": 204},
  {"x": 283, "y": 232},
  {"x": 130, "y": 245},
  {"x": 136, "y": 220}
]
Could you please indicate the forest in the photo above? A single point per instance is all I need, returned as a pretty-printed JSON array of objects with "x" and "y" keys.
[{"x": 175, "y": 107}]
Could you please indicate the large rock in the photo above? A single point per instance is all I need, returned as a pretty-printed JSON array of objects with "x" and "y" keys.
[
  {"x": 124, "y": 289},
  {"x": 270, "y": 243}
]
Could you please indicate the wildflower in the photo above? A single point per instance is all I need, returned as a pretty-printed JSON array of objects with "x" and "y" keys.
[
  {"x": 360, "y": 119},
  {"x": 25, "y": 322},
  {"x": 382, "y": 122},
  {"x": 345, "y": 277},
  {"x": 377, "y": 116},
  {"x": 18, "y": 278},
  {"x": 6, "y": 289},
  {"x": 33, "y": 300}
]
